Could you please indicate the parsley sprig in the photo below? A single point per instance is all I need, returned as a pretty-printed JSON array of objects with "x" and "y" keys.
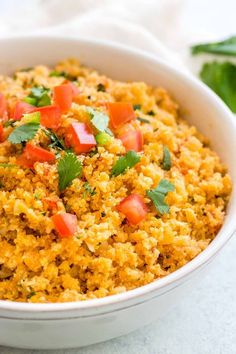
[
  {"x": 26, "y": 131},
  {"x": 158, "y": 194},
  {"x": 68, "y": 168},
  {"x": 130, "y": 159}
]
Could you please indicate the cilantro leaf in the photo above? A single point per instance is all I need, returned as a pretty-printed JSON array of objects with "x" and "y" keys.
[
  {"x": 99, "y": 120},
  {"x": 101, "y": 87},
  {"x": 221, "y": 78},
  {"x": 143, "y": 120},
  {"x": 56, "y": 73},
  {"x": 89, "y": 189},
  {"x": 26, "y": 131},
  {"x": 226, "y": 47},
  {"x": 68, "y": 168},
  {"x": 56, "y": 142},
  {"x": 6, "y": 165},
  {"x": 158, "y": 194},
  {"x": 137, "y": 106},
  {"x": 103, "y": 138},
  {"x": 166, "y": 162},
  {"x": 38, "y": 97},
  {"x": 9, "y": 123},
  {"x": 130, "y": 159}
]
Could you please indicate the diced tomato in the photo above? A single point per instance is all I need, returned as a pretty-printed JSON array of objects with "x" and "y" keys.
[
  {"x": 3, "y": 106},
  {"x": 132, "y": 140},
  {"x": 63, "y": 96},
  {"x": 51, "y": 203},
  {"x": 65, "y": 224},
  {"x": 2, "y": 135},
  {"x": 75, "y": 89},
  {"x": 80, "y": 137},
  {"x": 38, "y": 154},
  {"x": 120, "y": 113},
  {"x": 134, "y": 208},
  {"x": 50, "y": 116},
  {"x": 23, "y": 161},
  {"x": 22, "y": 108}
]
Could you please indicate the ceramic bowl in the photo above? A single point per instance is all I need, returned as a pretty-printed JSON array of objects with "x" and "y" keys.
[{"x": 75, "y": 324}]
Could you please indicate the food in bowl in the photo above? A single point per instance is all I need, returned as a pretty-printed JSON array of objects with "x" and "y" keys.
[{"x": 104, "y": 187}]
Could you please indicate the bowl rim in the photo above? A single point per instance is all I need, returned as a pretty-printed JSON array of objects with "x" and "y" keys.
[{"x": 181, "y": 274}]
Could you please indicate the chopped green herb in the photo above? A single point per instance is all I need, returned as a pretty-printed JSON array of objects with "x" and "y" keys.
[
  {"x": 56, "y": 142},
  {"x": 89, "y": 189},
  {"x": 143, "y": 120},
  {"x": 99, "y": 120},
  {"x": 103, "y": 138},
  {"x": 26, "y": 69},
  {"x": 31, "y": 294},
  {"x": 39, "y": 97},
  {"x": 130, "y": 159},
  {"x": 26, "y": 131},
  {"x": 158, "y": 195},
  {"x": 137, "y": 106},
  {"x": 69, "y": 168},
  {"x": 56, "y": 73},
  {"x": 221, "y": 78},
  {"x": 36, "y": 196},
  {"x": 30, "y": 100},
  {"x": 8, "y": 165},
  {"x": 151, "y": 113},
  {"x": 9, "y": 123},
  {"x": 226, "y": 47},
  {"x": 101, "y": 87},
  {"x": 166, "y": 162},
  {"x": 93, "y": 152}
]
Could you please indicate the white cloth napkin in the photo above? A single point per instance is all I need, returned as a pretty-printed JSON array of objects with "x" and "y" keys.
[{"x": 165, "y": 28}]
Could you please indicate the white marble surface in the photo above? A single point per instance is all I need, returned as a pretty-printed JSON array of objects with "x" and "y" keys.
[{"x": 204, "y": 323}]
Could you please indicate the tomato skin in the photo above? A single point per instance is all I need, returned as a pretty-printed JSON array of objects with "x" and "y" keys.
[
  {"x": 134, "y": 208},
  {"x": 79, "y": 136},
  {"x": 132, "y": 140},
  {"x": 3, "y": 107},
  {"x": 63, "y": 96},
  {"x": 75, "y": 89},
  {"x": 50, "y": 116},
  {"x": 120, "y": 113},
  {"x": 65, "y": 224},
  {"x": 22, "y": 108},
  {"x": 2, "y": 135},
  {"x": 38, "y": 154}
]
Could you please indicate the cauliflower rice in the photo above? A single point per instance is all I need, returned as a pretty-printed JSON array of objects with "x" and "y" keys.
[{"x": 107, "y": 254}]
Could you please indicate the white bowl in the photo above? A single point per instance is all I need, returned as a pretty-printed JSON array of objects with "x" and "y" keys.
[{"x": 74, "y": 324}]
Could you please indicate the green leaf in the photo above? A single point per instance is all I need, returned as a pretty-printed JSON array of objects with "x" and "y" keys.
[
  {"x": 56, "y": 73},
  {"x": 38, "y": 97},
  {"x": 103, "y": 138},
  {"x": 26, "y": 131},
  {"x": 226, "y": 47},
  {"x": 56, "y": 142},
  {"x": 143, "y": 120},
  {"x": 89, "y": 189},
  {"x": 69, "y": 168},
  {"x": 99, "y": 120},
  {"x": 221, "y": 78},
  {"x": 130, "y": 159},
  {"x": 166, "y": 162},
  {"x": 8, "y": 165},
  {"x": 9, "y": 123},
  {"x": 101, "y": 87},
  {"x": 158, "y": 195},
  {"x": 151, "y": 113},
  {"x": 137, "y": 106}
]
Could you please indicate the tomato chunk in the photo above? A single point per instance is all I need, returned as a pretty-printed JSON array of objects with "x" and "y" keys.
[
  {"x": 36, "y": 153},
  {"x": 63, "y": 96},
  {"x": 65, "y": 224},
  {"x": 50, "y": 116},
  {"x": 2, "y": 136},
  {"x": 132, "y": 140},
  {"x": 134, "y": 208},
  {"x": 3, "y": 106},
  {"x": 120, "y": 113},
  {"x": 22, "y": 108},
  {"x": 80, "y": 137}
]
